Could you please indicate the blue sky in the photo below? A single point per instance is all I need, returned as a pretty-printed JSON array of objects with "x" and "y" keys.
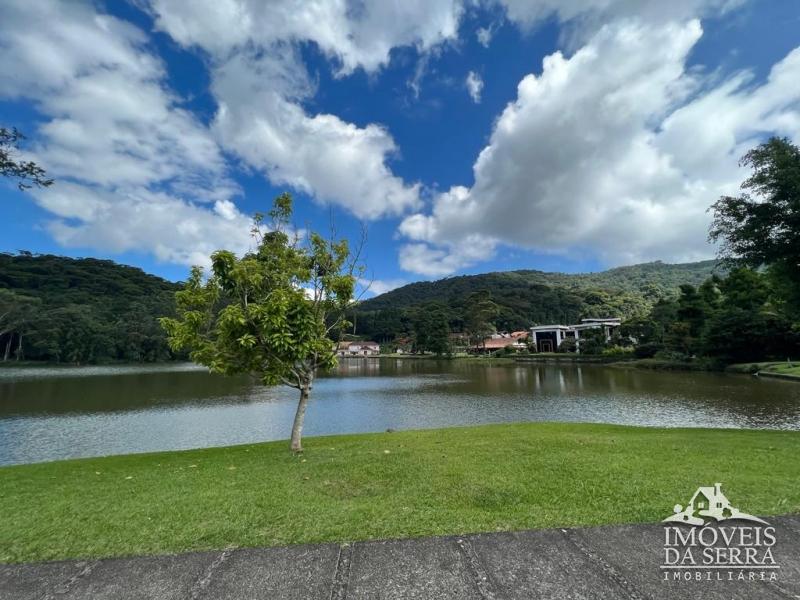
[{"x": 596, "y": 132}]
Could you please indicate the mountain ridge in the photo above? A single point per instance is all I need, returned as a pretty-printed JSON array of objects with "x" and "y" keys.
[
  {"x": 526, "y": 297},
  {"x": 620, "y": 278}
]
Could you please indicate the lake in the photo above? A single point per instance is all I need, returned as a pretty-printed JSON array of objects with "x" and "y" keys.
[{"x": 51, "y": 413}]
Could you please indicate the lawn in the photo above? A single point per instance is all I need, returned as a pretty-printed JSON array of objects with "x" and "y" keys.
[
  {"x": 401, "y": 484},
  {"x": 785, "y": 368}
]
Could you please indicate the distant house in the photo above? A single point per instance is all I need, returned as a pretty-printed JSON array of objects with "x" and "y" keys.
[
  {"x": 547, "y": 338},
  {"x": 498, "y": 341},
  {"x": 358, "y": 349}
]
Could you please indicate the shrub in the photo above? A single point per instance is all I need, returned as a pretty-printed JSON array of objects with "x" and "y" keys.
[
  {"x": 647, "y": 350},
  {"x": 567, "y": 345}
]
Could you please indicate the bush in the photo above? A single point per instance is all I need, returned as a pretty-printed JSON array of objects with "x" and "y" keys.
[
  {"x": 567, "y": 345},
  {"x": 648, "y": 350},
  {"x": 507, "y": 351},
  {"x": 671, "y": 355},
  {"x": 616, "y": 351}
]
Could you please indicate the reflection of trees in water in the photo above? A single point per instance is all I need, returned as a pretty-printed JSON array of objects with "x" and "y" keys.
[
  {"x": 107, "y": 393},
  {"x": 590, "y": 392}
]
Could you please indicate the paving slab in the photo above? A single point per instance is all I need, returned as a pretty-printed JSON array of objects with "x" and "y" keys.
[
  {"x": 583, "y": 563},
  {"x": 430, "y": 568},
  {"x": 168, "y": 577},
  {"x": 787, "y": 553},
  {"x": 637, "y": 552},
  {"x": 542, "y": 564},
  {"x": 38, "y": 580},
  {"x": 291, "y": 573}
]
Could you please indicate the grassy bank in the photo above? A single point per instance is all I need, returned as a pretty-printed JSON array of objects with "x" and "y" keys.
[
  {"x": 413, "y": 483},
  {"x": 568, "y": 357},
  {"x": 784, "y": 370},
  {"x": 662, "y": 364},
  {"x": 460, "y": 357}
]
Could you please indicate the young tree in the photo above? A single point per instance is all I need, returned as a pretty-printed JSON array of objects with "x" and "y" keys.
[
  {"x": 272, "y": 312},
  {"x": 22, "y": 171}
]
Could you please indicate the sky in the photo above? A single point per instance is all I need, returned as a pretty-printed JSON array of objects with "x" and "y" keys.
[{"x": 463, "y": 136}]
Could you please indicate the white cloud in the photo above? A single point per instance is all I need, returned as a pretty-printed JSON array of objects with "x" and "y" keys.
[
  {"x": 474, "y": 85},
  {"x": 616, "y": 151},
  {"x": 484, "y": 35},
  {"x": 376, "y": 287},
  {"x": 173, "y": 230},
  {"x": 356, "y": 34},
  {"x": 260, "y": 82},
  {"x": 322, "y": 155},
  {"x": 437, "y": 262},
  {"x": 134, "y": 170},
  {"x": 528, "y": 13}
]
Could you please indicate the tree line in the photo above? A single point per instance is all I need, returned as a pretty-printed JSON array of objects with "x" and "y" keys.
[
  {"x": 754, "y": 313},
  {"x": 79, "y": 311}
]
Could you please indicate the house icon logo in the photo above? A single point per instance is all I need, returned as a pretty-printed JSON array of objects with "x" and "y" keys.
[{"x": 709, "y": 504}]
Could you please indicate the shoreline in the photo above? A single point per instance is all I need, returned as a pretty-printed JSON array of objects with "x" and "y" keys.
[{"x": 775, "y": 370}]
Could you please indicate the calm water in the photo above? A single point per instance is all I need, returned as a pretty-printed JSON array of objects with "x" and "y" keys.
[{"x": 54, "y": 413}]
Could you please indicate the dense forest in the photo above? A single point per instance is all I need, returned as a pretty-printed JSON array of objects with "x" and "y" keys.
[
  {"x": 81, "y": 310},
  {"x": 743, "y": 317},
  {"x": 524, "y": 298}
]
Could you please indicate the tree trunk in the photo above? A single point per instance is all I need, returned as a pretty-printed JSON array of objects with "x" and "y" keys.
[
  {"x": 8, "y": 347},
  {"x": 299, "y": 417},
  {"x": 19, "y": 346}
]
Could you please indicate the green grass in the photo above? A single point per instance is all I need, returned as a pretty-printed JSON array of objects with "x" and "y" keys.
[
  {"x": 402, "y": 484},
  {"x": 572, "y": 357},
  {"x": 663, "y": 364},
  {"x": 786, "y": 369}
]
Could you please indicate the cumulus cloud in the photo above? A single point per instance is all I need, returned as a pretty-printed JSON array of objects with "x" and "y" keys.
[
  {"x": 474, "y": 84},
  {"x": 355, "y": 34},
  {"x": 122, "y": 149},
  {"x": 616, "y": 151},
  {"x": 376, "y": 287},
  {"x": 591, "y": 13},
  {"x": 260, "y": 82},
  {"x": 437, "y": 262},
  {"x": 260, "y": 119},
  {"x": 172, "y": 229}
]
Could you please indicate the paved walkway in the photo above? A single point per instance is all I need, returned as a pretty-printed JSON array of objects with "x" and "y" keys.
[{"x": 600, "y": 562}]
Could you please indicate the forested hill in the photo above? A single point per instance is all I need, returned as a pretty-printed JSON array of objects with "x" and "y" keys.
[
  {"x": 88, "y": 310},
  {"x": 527, "y": 296},
  {"x": 81, "y": 310}
]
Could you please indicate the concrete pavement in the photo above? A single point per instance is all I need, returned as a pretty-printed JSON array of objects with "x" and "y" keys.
[{"x": 599, "y": 562}]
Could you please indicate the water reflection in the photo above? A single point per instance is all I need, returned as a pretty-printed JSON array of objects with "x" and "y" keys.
[{"x": 48, "y": 414}]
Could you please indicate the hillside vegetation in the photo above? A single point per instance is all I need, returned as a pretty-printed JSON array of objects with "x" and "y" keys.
[
  {"x": 81, "y": 310},
  {"x": 88, "y": 310},
  {"x": 527, "y": 297}
]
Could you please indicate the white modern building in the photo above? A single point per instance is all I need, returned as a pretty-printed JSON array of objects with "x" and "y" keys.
[{"x": 547, "y": 338}]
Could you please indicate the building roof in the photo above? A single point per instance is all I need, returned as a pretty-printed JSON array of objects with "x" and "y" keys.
[
  {"x": 497, "y": 343},
  {"x": 602, "y": 320},
  {"x": 346, "y": 345}
]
